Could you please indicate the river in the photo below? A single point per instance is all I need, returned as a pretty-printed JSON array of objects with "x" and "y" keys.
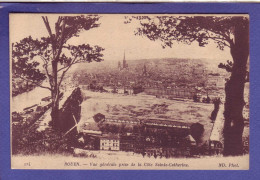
[{"x": 26, "y": 99}]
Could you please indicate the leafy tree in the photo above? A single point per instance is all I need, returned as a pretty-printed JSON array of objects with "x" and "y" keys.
[
  {"x": 56, "y": 54},
  {"x": 196, "y": 131},
  {"x": 227, "y": 32},
  {"x": 214, "y": 113}
]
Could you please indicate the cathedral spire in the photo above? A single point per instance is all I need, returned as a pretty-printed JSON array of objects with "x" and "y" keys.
[
  {"x": 144, "y": 70},
  {"x": 124, "y": 62}
]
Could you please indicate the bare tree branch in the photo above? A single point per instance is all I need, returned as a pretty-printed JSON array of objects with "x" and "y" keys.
[
  {"x": 28, "y": 80},
  {"x": 45, "y": 65},
  {"x": 46, "y": 22},
  {"x": 61, "y": 39},
  {"x": 225, "y": 37},
  {"x": 67, "y": 68}
]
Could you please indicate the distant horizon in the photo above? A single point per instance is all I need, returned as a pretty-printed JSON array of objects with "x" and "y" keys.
[
  {"x": 116, "y": 37},
  {"x": 205, "y": 61},
  {"x": 158, "y": 58}
]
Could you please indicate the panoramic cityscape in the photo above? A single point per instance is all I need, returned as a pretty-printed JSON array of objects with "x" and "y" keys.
[{"x": 100, "y": 100}]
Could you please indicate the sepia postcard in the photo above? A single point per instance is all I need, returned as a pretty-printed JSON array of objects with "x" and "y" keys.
[{"x": 129, "y": 91}]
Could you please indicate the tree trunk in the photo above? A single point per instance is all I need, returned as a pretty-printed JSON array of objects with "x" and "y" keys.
[
  {"x": 234, "y": 122},
  {"x": 55, "y": 113},
  {"x": 234, "y": 104},
  {"x": 55, "y": 97}
]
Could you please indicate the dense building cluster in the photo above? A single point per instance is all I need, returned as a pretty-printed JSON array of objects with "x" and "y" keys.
[
  {"x": 169, "y": 78},
  {"x": 149, "y": 137}
]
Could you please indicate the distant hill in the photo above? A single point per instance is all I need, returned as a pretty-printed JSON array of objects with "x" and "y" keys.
[{"x": 94, "y": 66}]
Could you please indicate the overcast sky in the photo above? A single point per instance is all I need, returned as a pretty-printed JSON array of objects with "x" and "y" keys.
[{"x": 116, "y": 37}]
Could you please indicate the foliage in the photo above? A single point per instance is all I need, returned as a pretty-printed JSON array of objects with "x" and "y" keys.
[
  {"x": 55, "y": 48},
  {"x": 196, "y": 130},
  {"x": 228, "y": 66},
  {"x": 188, "y": 29},
  {"x": 56, "y": 53},
  {"x": 114, "y": 128},
  {"x": 98, "y": 117},
  {"x": 196, "y": 98},
  {"x": 29, "y": 141},
  {"x": 226, "y": 31},
  {"x": 216, "y": 102}
]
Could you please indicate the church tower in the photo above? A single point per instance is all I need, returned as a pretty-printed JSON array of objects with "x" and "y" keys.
[
  {"x": 119, "y": 65},
  {"x": 144, "y": 70},
  {"x": 124, "y": 62}
]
